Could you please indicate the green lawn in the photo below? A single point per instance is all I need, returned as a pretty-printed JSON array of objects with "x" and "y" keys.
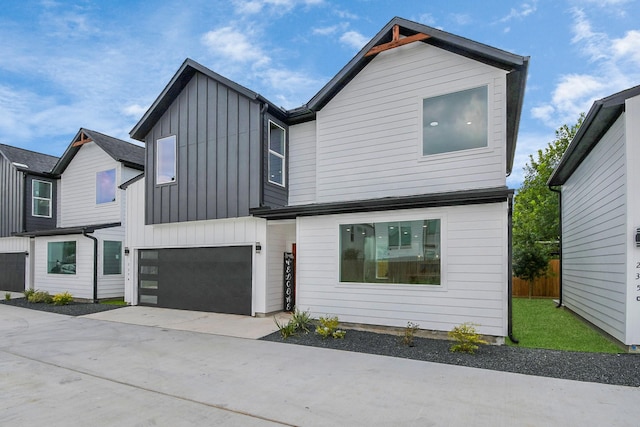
[
  {"x": 119, "y": 301},
  {"x": 537, "y": 323}
]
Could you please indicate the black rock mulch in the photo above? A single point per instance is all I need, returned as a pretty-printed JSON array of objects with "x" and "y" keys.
[
  {"x": 615, "y": 369},
  {"x": 73, "y": 309}
]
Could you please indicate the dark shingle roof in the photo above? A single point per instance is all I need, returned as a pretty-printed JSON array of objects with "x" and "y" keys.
[
  {"x": 121, "y": 151},
  {"x": 34, "y": 162}
]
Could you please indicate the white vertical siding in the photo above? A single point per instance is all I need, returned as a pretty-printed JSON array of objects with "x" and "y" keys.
[
  {"x": 14, "y": 244},
  {"x": 594, "y": 235},
  {"x": 110, "y": 285},
  {"x": 77, "y": 191},
  {"x": 302, "y": 163},
  {"x": 369, "y": 136},
  {"x": 245, "y": 231},
  {"x": 474, "y": 272},
  {"x": 279, "y": 239}
]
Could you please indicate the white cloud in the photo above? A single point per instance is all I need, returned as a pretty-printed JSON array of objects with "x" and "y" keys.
[
  {"x": 528, "y": 143},
  {"x": 252, "y": 7},
  {"x": 461, "y": 18},
  {"x": 134, "y": 110},
  {"x": 326, "y": 31},
  {"x": 234, "y": 46},
  {"x": 354, "y": 39}
]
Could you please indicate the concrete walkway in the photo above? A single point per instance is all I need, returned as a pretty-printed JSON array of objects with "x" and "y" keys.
[{"x": 66, "y": 371}]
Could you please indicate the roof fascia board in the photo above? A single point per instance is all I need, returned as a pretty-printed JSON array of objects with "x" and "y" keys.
[{"x": 68, "y": 230}]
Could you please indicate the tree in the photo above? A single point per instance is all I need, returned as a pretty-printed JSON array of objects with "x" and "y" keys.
[{"x": 536, "y": 224}]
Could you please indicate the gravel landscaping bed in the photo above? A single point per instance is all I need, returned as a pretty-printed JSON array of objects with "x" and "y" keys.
[
  {"x": 617, "y": 369},
  {"x": 73, "y": 309}
]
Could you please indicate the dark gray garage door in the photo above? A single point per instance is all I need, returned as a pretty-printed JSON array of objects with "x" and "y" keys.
[
  {"x": 12, "y": 272},
  {"x": 203, "y": 279}
]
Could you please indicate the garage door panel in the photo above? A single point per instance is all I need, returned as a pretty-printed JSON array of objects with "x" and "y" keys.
[
  {"x": 12, "y": 270},
  {"x": 203, "y": 279}
]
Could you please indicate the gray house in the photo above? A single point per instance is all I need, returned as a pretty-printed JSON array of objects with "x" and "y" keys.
[
  {"x": 28, "y": 194},
  {"x": 600, "y": 217}
]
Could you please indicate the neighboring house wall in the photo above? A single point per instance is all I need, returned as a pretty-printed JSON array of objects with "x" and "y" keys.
[
  {"x": 474, "y": 272},
  {"x": 369, "y": 136},
  {"x": 219, "y": 155},
  {"x": 11, "y": 190},
  {"x": 302, "y": 167},
  {"x": 77, "y": 190},
  {"x": 34, "y": 223},
  {"x": 594, "y": 234},
  {"x": 280, "y": 236}
]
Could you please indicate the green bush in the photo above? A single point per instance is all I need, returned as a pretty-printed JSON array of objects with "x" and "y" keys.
[
  {"x": 62, "y": 299},
  {"x": 40, "y": 297},
  {"x": 409, "y": 333},
  {"x": 28, "y": 293},
  {"x": 299, "y": 322},
  {"x": 466, "y": 337},
  {"x": 328, "y": 327},
  {"x": 7, "y": 296}
]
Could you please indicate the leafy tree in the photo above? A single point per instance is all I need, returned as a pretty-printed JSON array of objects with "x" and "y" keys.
[{"x": 536, "y": 226}]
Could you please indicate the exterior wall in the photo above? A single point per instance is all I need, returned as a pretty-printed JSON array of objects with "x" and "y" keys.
[
  {"x": 34, "y": 223},
  {"x": 302, "y": 167},
  {"x": 274, "y": 195},
  {"x": 11, "y": 190},
  {"x": 219, "y": 155},
  {"x": 110, "y": 285},
  {"x": 632, "y": 123},
  {"x": 473, "y": 272},
  {"x": 594, "y": 238},
  {"x": 77, "y": 190},
  {"x": 369, "y": 137},
  {"x": 210, "y": 233},
  {"x": 280, "y": 236}
]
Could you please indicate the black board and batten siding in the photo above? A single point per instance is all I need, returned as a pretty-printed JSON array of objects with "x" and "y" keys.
[
  {"x": 11, "y": 187},
  {"x": 219, "y": 155},
  {"x": 35, "y": 223}
]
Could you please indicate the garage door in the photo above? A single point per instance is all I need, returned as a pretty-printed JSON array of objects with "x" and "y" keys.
[
  {"x": 12, "y": 272},
  {"x": 203, "y": 279}
]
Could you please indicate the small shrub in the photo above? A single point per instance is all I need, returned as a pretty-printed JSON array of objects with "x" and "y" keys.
[
  {"x": 286, "y": 329},
  {"x": 62, "y": 299},
  {"x": 466, "y": 337},
  {"x": 302, "y": 320},
  {"x": 328, "y": 327},
  {"x": 28, "y": 293},
  {"x": 40, "y": 297},
  {"x": 7, "y": 296},
  {"x": 409, "y": 333}
]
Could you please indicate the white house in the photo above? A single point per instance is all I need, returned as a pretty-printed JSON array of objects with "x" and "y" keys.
[
  {"x": 83, "y": 253},
  {"x": 600, "y": 218},
  {"x": 389, "y": 186}
]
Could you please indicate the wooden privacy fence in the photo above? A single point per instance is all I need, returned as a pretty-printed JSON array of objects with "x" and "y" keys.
[{"x": 543, "y": 287}]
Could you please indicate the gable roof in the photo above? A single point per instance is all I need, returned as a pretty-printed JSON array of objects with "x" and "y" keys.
[
  {"x": 28, "y": 161},
  {"x": 178, "y": 82},
  {"x": 129, "y": 154},
  {"x": 603, "y": 113}
]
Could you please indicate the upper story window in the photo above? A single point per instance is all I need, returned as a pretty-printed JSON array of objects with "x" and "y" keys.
[
  {"x": 41, "y": 198},
  {"x": 166, "y": 160},
  {"x": 455, "y": 121},
  {"x": 277, "y": 155},
  {"x": 106, "y": 186}
]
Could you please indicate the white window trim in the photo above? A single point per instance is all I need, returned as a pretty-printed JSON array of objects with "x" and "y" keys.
[
  {"x": 34, "y": 198},
  {"x": 460, "y": 153},
  {"x": 175, "y": 157},
  {"x": 282, "y": 156}
]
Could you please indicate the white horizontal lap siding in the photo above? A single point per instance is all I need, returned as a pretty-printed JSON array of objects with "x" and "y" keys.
[
  {"x": 279, "y": 239},
  {"x": 302, "y": 163},
  {"x": 594, "y": 235},
  {"x": 110, "y": 285},
  {"x": 80, "y": 285},
  {"x": 474, "y": 272},
  {"x": 14, "y": 244},
  {"x": 632, "y": 134},
  {"x": 78, "y": 189},
  {"x": 369, "y": 136}
]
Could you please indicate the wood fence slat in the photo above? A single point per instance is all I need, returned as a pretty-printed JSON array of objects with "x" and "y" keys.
[{"x": 543, "y": 287}]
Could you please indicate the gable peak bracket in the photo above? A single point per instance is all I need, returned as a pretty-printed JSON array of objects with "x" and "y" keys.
[
  {"x": 82, "y": 139},
  {"x": 396, "y": 41}
]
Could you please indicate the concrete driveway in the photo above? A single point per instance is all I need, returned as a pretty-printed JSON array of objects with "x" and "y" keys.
[{"x": 65, "y": 371}]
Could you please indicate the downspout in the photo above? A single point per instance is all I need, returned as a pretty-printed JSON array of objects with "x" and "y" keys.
[
  {"x": 559, "y": 244},
  {"x": 95, "y": 264},
  {"x": 510, "y": 271}
]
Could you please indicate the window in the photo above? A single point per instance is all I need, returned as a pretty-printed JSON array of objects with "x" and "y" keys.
[
  {"x": 106, "y": 186},
  {"x": 41, "y": 198},
  {"x": 454, "y": 122},
  {"x": 112, "y": 257},
  {"x": 61, "y": 257},
  {"x": 166, "y": 160},
  {"x": 405, "y": 252},
  {"x": 276, "y": 154}
]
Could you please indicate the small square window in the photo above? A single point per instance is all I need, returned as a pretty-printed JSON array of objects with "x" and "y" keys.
[
  {"x": 61, "y": 257},
  {"x": 455, "y": 121},
  {"x": 106, "y": 186},
  {"x": 166, "y": 156}
]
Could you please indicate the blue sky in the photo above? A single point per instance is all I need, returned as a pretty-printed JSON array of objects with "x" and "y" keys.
[{"x": 100, "y": 64}]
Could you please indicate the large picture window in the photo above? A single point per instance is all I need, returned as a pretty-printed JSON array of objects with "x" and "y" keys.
[
  {"x": 112, "y": 257},
  {"x": 277, "y": 155},
  {"x": 454, "y": 122},
  {"x": 405, "y": 252},
  {"x": 166, "y": 160},
  {"x": 41, "y": 193},
  {"x": 106, "y": 186},
  {"x": 61, "y": 257}
]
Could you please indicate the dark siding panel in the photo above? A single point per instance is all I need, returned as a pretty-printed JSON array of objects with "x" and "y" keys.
[
  {"x": 173, "y": 214},
  {"x": 201, "y": 159},
  {"x": 274, "y": 195},
  {"x": 35, "y": 223},
  {"x": 192, "y": 150},
  {"x": 255, "y": 158},
  {"x": 221, "y": 184},
  {"x": 232, "y": 155},
  {"x": 212, "y": 148},
  {"x": 11, "y": 183}
]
